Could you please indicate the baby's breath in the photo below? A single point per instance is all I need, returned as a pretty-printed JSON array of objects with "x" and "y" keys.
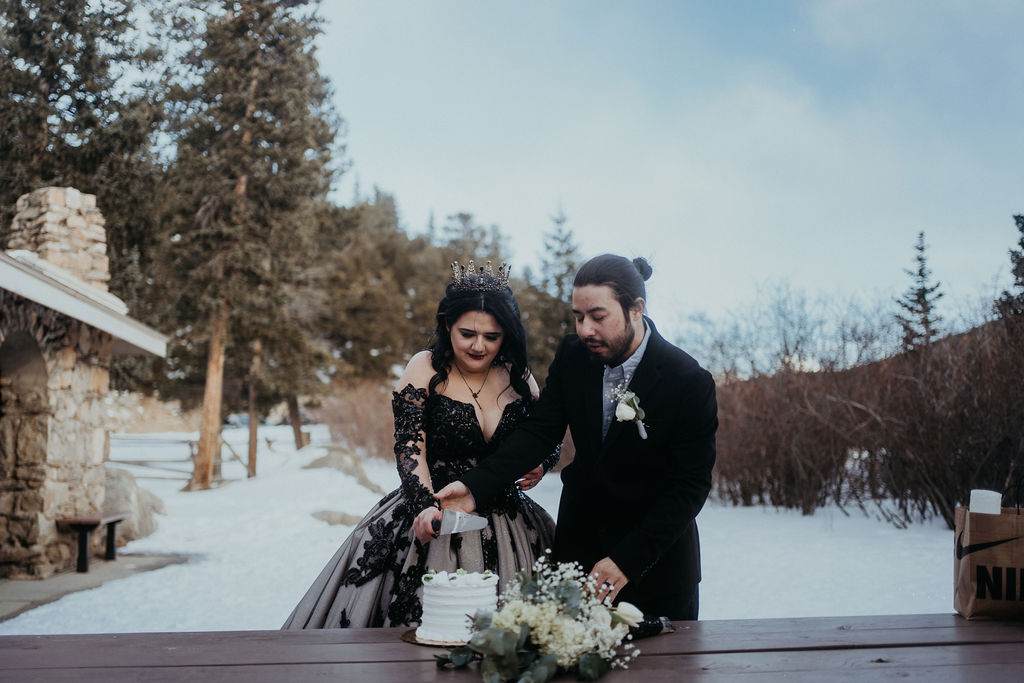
[{"x": 559, "y": 603}]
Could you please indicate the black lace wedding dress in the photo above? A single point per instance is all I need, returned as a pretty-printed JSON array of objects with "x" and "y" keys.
[{"x": 374, "y": 578}]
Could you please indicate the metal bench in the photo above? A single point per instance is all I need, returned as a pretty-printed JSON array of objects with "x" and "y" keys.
[{"x": 84, "y": 526}]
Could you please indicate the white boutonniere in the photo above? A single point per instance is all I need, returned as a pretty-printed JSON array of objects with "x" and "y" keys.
[{"x": 628, "y": 408}]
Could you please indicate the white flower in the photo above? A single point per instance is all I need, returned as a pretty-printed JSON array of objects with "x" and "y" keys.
[
  {"x": 628, "y": 408},
  {"x": 565, "y": 618},
  {"x": 624, "y": 412},
  {"x": 629, "y": 613}
]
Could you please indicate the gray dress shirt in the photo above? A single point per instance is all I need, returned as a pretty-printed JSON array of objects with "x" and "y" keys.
[{"x": 620, "y": 375}]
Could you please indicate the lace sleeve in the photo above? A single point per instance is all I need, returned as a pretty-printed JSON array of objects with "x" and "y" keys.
[
  {"x": 552, "y": 459},
  {"x": 409, "y": 456}
]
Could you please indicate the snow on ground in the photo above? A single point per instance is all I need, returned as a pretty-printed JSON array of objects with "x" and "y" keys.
[{"x": 254, "y": 547}]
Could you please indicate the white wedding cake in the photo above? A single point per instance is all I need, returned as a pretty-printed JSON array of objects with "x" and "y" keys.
[{"x": 451, "y": 600}]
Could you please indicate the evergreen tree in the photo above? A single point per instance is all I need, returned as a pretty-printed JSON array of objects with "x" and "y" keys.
[
  {"x": 1011, "y": 305},
  {"x": 919, "y": 322},
  {"x": 547, "y": 312},
  {"x": 254, "y": 143},
  {"x": 365, "y": 321},
  {"x": 77, "y": 111},
  {"x": 560, "y": 261},
  {"x": 465, "y": 240}
]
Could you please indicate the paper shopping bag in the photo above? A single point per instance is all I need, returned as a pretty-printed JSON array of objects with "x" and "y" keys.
[{"x": 988, "y": 565}]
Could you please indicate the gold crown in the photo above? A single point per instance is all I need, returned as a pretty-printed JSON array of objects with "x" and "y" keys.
[{"x": 481, "y": 278}]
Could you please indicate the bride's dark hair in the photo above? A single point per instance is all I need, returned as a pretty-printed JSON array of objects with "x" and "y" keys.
[{"x": 500, "y": 303}]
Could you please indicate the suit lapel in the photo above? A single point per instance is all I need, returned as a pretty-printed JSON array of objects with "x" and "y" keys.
[{"x": 643, "y": 384}]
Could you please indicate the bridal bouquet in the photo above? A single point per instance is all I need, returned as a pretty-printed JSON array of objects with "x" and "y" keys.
[{"x": 547, "y": 622}]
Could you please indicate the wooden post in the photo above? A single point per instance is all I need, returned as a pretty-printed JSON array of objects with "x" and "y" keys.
[
  {"x": 296, "y": 420},
  {"x": 254, "y": 374},
  {"x": 209, "y": 432}
]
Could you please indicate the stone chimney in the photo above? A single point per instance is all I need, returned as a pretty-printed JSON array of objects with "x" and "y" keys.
[{"x": 63, "y": 226}]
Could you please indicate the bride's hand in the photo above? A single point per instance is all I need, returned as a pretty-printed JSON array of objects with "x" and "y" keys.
[
  {"x": 456, "y": 496},
  {"x": 423, "y": 525},
  {"x": 531, "y": 478}
]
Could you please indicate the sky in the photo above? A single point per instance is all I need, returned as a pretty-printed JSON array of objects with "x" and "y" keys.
[{"x": 736, "y": 145}]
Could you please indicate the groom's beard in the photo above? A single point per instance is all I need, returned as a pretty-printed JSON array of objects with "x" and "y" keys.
[{"x": 613, "y": 352}]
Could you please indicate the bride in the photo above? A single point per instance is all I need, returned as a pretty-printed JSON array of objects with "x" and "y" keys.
[{"x": 456, "y": 401}]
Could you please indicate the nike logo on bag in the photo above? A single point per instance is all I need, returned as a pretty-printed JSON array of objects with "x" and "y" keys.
[{"x": 963, "y": 551}]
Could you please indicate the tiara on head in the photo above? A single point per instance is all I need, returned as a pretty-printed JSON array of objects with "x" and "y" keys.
[{"x": 482, "y": 278}]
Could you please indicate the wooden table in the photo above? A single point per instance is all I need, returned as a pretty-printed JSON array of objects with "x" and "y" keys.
[{"x": 931, "y": 647}]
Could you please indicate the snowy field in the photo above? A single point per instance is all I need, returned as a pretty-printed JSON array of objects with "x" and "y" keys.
[{"x": 254, "y": 548}]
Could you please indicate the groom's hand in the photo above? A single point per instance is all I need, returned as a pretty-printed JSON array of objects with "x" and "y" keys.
[
  {"x": 608, "y": 578},
  {"x": 456, "y": 496}
]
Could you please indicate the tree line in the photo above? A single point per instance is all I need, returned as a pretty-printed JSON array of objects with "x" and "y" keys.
[
  {"x": 207, "y": 133},
  {"x": 209, "y": 137},
  {"x": 870, "y": 409}
]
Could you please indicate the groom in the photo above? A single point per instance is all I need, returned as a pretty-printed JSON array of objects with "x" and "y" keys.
[{"x": 632, "y": 493}]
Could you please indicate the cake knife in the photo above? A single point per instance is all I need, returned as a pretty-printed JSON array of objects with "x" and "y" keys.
[{"x": 454, "y": 522}]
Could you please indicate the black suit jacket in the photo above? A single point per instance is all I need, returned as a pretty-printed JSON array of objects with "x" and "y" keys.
[{"x": 631, "y": 499}]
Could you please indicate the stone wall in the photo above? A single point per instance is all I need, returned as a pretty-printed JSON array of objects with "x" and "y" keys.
[
  {"x": 54, "y": 377},
  {"x": 53, "y": 439}
]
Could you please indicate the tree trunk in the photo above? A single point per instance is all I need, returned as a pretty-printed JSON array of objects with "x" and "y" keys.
[
  {"x": 209, "y": 431},
  {"x": 296, "y": 421},
  {"x": 254, "y": 374}
]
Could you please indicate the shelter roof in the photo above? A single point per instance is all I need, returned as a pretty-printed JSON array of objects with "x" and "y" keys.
[{"x": 25, "y": 274}]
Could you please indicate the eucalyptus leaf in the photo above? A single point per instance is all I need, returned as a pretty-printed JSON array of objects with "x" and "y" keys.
[
  {"x": 570, "y": 596},
  {"x": 462, "y": 656},
  {"x": 489, "y": 641},
  {"x": 509, "y": 642},
  {"x": 525, "y": 658},
  {"x": 591, "y": 667},
  {"x": 509, "y": 669},
  {"x": 489, "y": 671},
  {"x": 482, "y": 620},
  {"x": 542, "y": 670},
  {"x": 524, "y": 635}
]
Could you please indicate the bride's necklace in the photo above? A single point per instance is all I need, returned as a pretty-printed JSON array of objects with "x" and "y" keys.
[{"x": 476, "y": 393}]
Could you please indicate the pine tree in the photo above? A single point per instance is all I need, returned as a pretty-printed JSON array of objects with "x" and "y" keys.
[
  {"x": 1010, "y": 304},
  {"x": 253, "y": 154},
  {"x": 463, "y": 240},
  {"x": 919, "y": 322},
  {"x": 546, "y": 304},
  {"x": 365, "y": 281},
  {"x": 561, "y": 259},
  {"x": 78, "y": 111}
]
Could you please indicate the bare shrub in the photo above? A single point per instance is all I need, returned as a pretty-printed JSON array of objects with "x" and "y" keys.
[
  {"x": 951, "y": 419},
  {"x": 911, "y": 435},
  {"x": 359, "y": 415},
  {"x": 816, "y": 405},
  {"x": 781, "y": 441}
]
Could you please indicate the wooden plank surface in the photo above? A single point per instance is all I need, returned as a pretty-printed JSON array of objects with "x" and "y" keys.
[
  {"x": 213, "y": 649},
  {"x": 828, "y": 633},
  {"x": 916, "y": 647},
  {"x": 362, "y": 645},
  {"x": 988, "y": 663}
]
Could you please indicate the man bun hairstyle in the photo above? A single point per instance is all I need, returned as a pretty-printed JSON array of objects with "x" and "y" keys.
[{"x": 625, "y": 278}]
